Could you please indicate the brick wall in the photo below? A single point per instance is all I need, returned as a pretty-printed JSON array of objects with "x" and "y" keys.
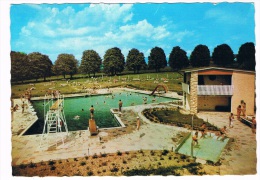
[{"x": 193, "y": 92}]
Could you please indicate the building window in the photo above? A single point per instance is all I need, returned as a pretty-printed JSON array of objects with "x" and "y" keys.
[
  {"x": 201, "y": 80},
  {"x": 212, "y": 77}
]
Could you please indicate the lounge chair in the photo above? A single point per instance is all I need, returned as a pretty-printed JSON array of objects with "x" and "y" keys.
[{"x": 92, "y": 127}]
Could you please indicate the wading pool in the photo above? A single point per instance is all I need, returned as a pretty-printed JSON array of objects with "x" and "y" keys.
[
  {"x": 209, "y": 148},
  {"x": 79, "y": 106}
]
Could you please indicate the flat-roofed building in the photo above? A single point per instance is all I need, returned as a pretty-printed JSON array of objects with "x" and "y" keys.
[{"x": 218, "y": 89}]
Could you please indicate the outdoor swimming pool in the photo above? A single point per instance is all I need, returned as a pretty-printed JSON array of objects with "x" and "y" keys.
[
  {"x": 79, "y": 106},
  {"x": 209, "y": 148}
]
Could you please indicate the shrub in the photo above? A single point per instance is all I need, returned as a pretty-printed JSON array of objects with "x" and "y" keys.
[
  {"x": 95, "y": 156},
  {"x": 32, "y": 165},
  {"x": 52, "y": 168},
  {"x": 152, "y": 152},
  {"x": 103, "y": 154},
  {"x": 75, "y": 159},
  {"x": 86, "y": 157},
  {"x": 22, "y": 166},
  {"x": 114, "y": 169},
  {"x": 104, "y": 163},
  {"x": 51, "y": 162},
  {"x": 183, "y": 156},
  {"x": 83, "y": 163},
  {"x": 119, "y": 153},
  {"x": 90, "y": 173},
  {"x": 124, "y": 161},
  {"x": 165, "y": 152}
]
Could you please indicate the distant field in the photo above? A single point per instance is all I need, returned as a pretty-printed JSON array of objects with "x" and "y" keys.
[{"x": 146, "y": 81}]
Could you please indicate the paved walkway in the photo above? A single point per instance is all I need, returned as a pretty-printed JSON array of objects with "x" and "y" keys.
[{"x": 238, "y": 159}]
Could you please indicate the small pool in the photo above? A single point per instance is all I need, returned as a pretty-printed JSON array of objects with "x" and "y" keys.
[
  {"x": 79, "y": 106},
  {"x": 209, "y": 148}
]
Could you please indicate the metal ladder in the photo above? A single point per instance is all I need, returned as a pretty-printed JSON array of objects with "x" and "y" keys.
[{"x": 54, "y": 118}]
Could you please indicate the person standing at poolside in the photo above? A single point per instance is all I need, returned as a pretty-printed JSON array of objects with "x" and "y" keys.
[
  {"x": 91, "y": 112},
  {"x": 254, "y": 125},
  {"x": 23, "y": 106},
  {"x": 238, "y": 112},
  {"x": 138, "y": 123},
  {"x": 231, "y": 120},
  {"x": 120, "y": 104},
  {"x": 243, "y": 106}
]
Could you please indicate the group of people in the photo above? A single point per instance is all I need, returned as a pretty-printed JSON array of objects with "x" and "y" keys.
[
  {"x": 241, "y": 109},
  {"x": 120, "y": 104},
  {"x": 202, "y": 129},
  {"x": 91, "y": 109}
]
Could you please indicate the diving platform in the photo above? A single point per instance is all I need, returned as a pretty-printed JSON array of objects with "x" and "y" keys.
[{"x": 56, "y": 105}]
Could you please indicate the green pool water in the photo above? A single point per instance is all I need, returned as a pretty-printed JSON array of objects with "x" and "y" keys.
[
  {"x": 79, "y": 106},
  {"x": 209, "y": 148}
]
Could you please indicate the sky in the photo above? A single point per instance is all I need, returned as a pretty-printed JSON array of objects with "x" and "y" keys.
[{"x": 52, "y": 29}]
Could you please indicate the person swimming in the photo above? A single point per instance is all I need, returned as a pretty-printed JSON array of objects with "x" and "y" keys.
[{"x": 76, "y": 117}]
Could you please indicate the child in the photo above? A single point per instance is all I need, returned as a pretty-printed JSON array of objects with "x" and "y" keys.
[
  {"x": 231, "y": 120},
  {"x": 239, "y": 112},
  {"x": 195, "y": 138}
]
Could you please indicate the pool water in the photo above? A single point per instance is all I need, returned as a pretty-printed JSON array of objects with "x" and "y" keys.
[
  {"x": 209, "y": 148},
  {"x": 79, "y": 106}
]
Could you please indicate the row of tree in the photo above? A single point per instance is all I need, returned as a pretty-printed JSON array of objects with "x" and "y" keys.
[{"x": 36, "y": 65}]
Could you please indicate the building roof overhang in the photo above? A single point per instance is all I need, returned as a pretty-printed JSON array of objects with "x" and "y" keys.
[{"x": 216, "y": 69}]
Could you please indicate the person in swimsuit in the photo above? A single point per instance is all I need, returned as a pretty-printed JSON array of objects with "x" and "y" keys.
[
  {"x": 223, "y": 133},
  {"x": 231, "y": 120},
  {"x": 239, "y": 112},
  {"x": 254, "y": 125},
  {"x": 91, "y": 111},
  {"x": 203, "y": 129},
  {"x": 195, "y": 138},
  {"x": 120, "y": 104}
]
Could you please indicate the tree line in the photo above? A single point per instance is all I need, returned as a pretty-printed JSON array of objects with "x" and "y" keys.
[{"x": 36, "y": 65}]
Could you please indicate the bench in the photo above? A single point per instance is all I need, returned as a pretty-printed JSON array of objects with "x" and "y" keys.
[{"x": 246, "y": 121}]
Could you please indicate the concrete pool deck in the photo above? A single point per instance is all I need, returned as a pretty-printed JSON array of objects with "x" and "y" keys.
[{"x": 150, "y": 136}]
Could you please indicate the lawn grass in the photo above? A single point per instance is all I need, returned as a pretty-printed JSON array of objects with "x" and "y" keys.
[{"x": 146, "y": 81}]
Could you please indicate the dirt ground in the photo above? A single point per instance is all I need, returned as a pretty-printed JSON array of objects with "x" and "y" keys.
[{"x": 118, "y": 164}]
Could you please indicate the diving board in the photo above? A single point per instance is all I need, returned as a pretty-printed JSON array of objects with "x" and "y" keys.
[{"x": 56, "y": 105}]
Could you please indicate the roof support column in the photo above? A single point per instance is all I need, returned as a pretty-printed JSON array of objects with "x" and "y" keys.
[{"x": 193, "y": 92}]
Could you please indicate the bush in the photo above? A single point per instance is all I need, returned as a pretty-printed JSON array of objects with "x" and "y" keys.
[
  {"x": 114, "y": 169},
  {"x": 104, "y": 163},
  {"x": 83, "y": 163},
  {"x": 52, "y": 168},
  {"x": 119, "y": 153},
  {"x": 32, "y": 165},
  {"x": 22, "y": 166},
  {"x": 90, "y": 173},
  {"x": 95, "y": 156},
  {"x": 165, "y": 152},
  {"x": 183, "y": 156},
  {"x": 103, "y": 154},
  {"x": 51, "y": 162}
]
